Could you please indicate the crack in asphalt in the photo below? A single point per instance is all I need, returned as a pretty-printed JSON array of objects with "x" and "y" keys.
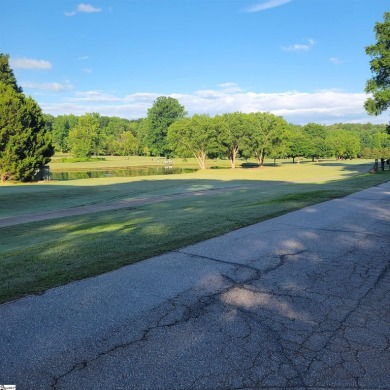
[
  {"x": 341, "y": 328},
  {"x": 231, "y": 263},
  {"x": 193, "y": 311},
  {"x": 300, "y": 356},
  {"x": 296, "y": 373}
]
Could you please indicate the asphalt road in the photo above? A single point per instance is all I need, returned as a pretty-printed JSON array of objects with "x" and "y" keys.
[{"x": 301, "y": 301}]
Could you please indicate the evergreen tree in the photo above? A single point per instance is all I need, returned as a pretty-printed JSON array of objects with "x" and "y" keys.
[
  {"x": 6, "y": 73},
  {"x": 25, "y": 144}
]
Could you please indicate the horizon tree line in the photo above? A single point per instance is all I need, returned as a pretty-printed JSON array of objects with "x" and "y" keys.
[{"x": 168, "y": 131}]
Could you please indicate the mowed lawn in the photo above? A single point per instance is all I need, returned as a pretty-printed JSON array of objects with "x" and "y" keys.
[{"x": 39, "y": 255}]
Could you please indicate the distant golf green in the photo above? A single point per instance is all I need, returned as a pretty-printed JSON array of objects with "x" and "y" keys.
[{"x": 171, "y": 212}]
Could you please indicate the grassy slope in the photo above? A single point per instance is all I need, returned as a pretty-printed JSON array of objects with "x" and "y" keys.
[{"x": 40, "y": 255}]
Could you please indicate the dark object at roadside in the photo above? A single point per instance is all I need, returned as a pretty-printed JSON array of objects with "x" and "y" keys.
[{"x": 374, "y": 169}]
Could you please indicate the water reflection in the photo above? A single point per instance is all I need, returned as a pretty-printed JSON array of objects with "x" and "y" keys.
[{"x": 133, "y": 171}]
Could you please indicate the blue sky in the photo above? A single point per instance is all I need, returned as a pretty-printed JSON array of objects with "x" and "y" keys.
[{"x": 301, "y": 59}]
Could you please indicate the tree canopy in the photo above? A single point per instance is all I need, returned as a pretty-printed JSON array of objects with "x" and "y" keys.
[
  {"x": 25, "y": 144},
  {"x": 379, "y": 84},
  {"x": 83, "y": 138},
  {"x": 164, "y": 112},
  {"x": 193, "y": 136},
  {"x": 6, "y": 73},
  {"x": 234, "y": 134},
  {"x": 269, "y": 136}
]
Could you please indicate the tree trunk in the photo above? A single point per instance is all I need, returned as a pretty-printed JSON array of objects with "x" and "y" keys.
[
  {"x": 201, "y": 159},
  {"x": 233, "y": 160},
  {"x": 262, "y": 157},
  {"x": 232, "y": 163},
  {"x": 258, "y": 158}
]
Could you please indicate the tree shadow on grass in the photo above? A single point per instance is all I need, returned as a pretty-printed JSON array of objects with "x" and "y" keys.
[{"x": 150, "y": 219}]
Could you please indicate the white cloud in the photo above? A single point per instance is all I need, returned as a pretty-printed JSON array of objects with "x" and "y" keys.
[
  {"x": 327, "y": 107},
  {"x": 54, "y": 87},
  {"x": 267, "y": 5},
  {"x": 230, "y": 87},
  {"x": 94, "y": 96},
  {"x": 335, "y": 60},
  {"x": 83, "y": 58},
  {"x": 84, "y": 8},
  {"x": 29, "y": 63},
  {"x": 141, "y": 98},
  {"x": 87, "y": 8},
  {"x": 297, "y": 47}
]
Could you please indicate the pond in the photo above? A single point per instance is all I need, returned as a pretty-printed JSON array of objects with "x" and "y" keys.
[{"x": 127, "y": 172}]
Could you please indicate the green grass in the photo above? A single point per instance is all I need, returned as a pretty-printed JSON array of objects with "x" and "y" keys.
[
  {"x": 47, "y": 196},
  {"x": 39, "y": 255}
]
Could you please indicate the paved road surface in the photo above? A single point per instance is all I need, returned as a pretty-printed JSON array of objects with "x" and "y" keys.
[{"x": 297, "y": 302}]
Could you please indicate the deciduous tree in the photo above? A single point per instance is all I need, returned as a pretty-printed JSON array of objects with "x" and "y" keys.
[
  {"x": 234, "y": 134},
  {"x": 83, "y": 138},
  {"x": 315, "y": 136},
  {"x": 164, "y": 112},
  {"x": 379, "y": 84},
  {"x": 127, "y": 144},
  {"x": 269, "y": 133},
  {"x": 297, "y": 146},
  {"x": 343, "y": 143},
  {"x": 61, "y": 127},
  {"x": 193, "y": 136}
]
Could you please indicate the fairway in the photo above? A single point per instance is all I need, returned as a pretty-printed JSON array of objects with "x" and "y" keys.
[{"x": 155, "y": 214}]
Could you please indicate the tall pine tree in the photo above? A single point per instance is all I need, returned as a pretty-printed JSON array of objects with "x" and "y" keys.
[
  {"x": 6, "y": 73},
  {"x": 25, "y": 145}
]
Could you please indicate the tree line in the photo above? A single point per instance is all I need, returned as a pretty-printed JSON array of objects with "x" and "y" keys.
[{"x": 168, "y": 131}]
